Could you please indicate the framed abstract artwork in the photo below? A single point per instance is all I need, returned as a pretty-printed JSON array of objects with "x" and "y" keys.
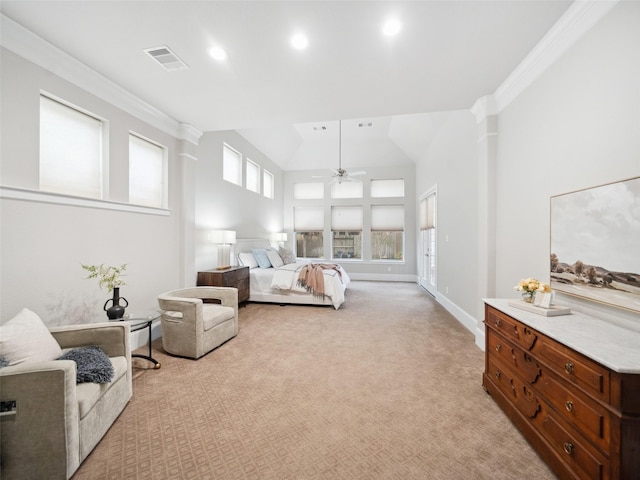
[{"x": 595, "y": 244}]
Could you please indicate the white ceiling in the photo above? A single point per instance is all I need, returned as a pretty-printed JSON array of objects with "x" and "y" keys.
[{"x": 448, "y": 54}]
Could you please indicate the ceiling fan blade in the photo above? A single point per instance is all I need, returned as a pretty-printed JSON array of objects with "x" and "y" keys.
[{"x": 359, "y": 172}]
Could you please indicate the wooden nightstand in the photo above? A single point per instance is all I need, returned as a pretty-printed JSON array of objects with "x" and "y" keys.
[{"x": 237, "y": 277}]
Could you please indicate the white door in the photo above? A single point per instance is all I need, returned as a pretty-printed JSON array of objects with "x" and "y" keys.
[{"x": 428, "y": 242}]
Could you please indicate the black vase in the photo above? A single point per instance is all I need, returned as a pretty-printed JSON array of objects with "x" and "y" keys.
[{"x": 115, "y": 311}]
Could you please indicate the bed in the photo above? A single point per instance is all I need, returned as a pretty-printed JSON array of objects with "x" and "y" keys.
[{"x": 279, "y": 284}]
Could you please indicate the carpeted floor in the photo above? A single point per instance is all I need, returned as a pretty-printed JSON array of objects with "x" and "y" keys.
[{"x": 387, "y": 387}]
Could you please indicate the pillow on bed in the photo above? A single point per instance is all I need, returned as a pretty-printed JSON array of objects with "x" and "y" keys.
[
  {"x": 274, "y": 258},
  {"x": 247, "y": 260},
  {"x": 260, "y": 255},
  {"x": 287, "y": 255}
]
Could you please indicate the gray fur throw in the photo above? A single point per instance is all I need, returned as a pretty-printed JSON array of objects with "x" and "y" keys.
[{"x": 92, "y": 364}]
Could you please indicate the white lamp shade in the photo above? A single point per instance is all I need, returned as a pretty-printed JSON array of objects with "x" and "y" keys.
[
  {"x": 223, "y": 237},
  {"x": 279, "y": 237}
]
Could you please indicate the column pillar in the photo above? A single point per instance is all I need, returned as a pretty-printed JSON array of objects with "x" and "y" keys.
[
  {"x": 487, "y": 138},
  {"x": 188, "y": 138}
]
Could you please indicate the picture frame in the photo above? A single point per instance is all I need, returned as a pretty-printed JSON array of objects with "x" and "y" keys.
[{"x": 595, "y": 244}]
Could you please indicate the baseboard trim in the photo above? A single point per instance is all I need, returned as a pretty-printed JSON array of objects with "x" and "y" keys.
[
  {"x": 463, "y": 317},
  {"x": 383, "y": 277}
]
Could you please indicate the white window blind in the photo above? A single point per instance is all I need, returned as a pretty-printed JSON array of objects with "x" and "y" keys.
[
  {"x": 346, "y": 190},
  {"x": 147, "y": 173},
  {"x": 70, "y": 150},
  {"x": 428, "y": 212},
  {"x": 346, "y": 218},
  {"x": 387, "y": 218},
  {"x": 387, "y": 188},
  {"x": 308, "y": 219},
  {"x": 308, "y": 191},
  {"x": 231, "y": 165},
  {"x": 267, "y": 184},
  {"x": 253, "y": 176}
]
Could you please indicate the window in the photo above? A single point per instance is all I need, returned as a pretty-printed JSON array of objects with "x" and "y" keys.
[
  {"x": 387, "y": 232},
  {"x": 267, "y": 184},
  {"x": 147, "y": 173},
  {"x": 346, "y": 190},
  {"x": 308, "y": 223},
  {"x": 71, "y": 150},
  {"x": 308, "y": 191},
  {"x": 387, "y": 188},
  {"x": 253, "y": 176},
  {"x": 231, "y": 165},
  {"x": 346, "y": 232}
]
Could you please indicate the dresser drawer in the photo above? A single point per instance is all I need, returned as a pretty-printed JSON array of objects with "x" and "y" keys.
[
  {"x": 520, "y": 334},
  {"x": 589, "y": 416},
  {"x": 581, "y": 458},
  {"x": 571, "y": 366},
  {"x": 566, "y": 443}
]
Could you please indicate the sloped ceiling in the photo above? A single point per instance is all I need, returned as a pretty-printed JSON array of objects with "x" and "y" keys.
[{"x": 446, "y": 56}]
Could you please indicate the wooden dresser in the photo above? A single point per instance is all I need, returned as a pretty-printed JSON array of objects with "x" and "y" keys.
[
  {"x": 571, "y": 385},
  {"x": 237, "y": 277}
]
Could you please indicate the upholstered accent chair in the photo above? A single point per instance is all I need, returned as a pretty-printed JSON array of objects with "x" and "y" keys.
[
  {"x": 50, "y": 423},
  {"x": 192, "y": 327}
]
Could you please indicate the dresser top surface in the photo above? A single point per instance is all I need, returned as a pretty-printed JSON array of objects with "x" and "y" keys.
[{"x": 613, "y": 346}]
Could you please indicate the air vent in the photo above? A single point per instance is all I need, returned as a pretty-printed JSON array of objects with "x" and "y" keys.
[{"x": 165, "y": 57}]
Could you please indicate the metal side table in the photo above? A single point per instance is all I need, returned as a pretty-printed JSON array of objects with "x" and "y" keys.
[{"x": 140, "y": 321}]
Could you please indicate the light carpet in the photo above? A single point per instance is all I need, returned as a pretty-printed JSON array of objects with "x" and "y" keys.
[{"x": 387, "y": 387}]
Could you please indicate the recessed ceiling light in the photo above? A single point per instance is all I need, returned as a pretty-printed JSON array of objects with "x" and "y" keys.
[
  {"x": 218, "y": 53},
  {"x": 299, "y": 41},
  {"x": 391, "y": 27}
]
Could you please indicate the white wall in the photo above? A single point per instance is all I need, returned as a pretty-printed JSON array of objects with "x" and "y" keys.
[
  {"x": 450, "y": 163},
  {"x": 43, "y": 244},
  {"x": 577, "y": 126},
  {"x": 221, "y": 205}
]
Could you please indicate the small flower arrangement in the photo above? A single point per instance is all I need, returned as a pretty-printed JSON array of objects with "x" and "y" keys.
[
  {"x": 107, "y": 276},
  {"x": 529, "y": 286}
]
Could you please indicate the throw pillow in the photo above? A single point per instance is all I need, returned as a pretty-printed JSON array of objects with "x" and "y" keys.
[
  {"x": 287, "y": 255},
  {"x": 247, "y": 260},
  {"x": 274, "y": 258},
  {"x": 92, "y": 364},
  {"x": 261, "y": 257},
  {"x": 25, "y": 338}
]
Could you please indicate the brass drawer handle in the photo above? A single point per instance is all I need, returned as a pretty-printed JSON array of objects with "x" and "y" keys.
[
  {"x": 498, "y": 347},
  {"x": 568, "y": 405},
  {"x": 568, "y": 448},
  {"x": 498, "y": 373},
  {"x": 568, "y": 367},
  {"x": 497, "y": 322}
]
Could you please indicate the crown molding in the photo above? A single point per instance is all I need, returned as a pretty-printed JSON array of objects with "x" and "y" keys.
[
  {"x": 579, "y": 18},
  {"x": 189, "y": 133},
  {"x": 484, "y": 107},
  {"x": 37, "y": 50}
]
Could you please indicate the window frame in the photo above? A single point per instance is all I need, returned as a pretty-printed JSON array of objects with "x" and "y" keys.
[
  {"x": 238, "y": 174},
  {"x": 163, "y": 170},
  {"x": 248, "y": 162},
  {"x": 102, "y": 182},
  {"x": 268, "y": 188}
]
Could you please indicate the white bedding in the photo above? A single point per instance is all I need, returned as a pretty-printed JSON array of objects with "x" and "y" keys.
[
  {"x": 279, "y": 285},
  {"x": 282, "y": 283}
]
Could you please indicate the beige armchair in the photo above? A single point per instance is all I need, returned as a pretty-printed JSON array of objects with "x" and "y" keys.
[
  {"x": 50, "y": 423},
  {"x": 191, "y": 327}
]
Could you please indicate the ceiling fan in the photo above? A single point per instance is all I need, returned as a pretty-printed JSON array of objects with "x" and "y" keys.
[{"x": 340, "y": 175}]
